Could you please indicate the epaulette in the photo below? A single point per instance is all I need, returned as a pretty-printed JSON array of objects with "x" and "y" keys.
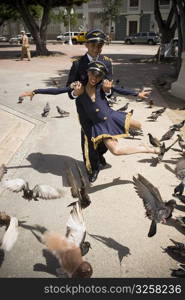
[
  {"x": 75, "y": 59},
  {"x": 107, "y": 58}
]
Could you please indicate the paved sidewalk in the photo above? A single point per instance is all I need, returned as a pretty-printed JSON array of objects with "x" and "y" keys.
[{"x": 38, "y": 149}]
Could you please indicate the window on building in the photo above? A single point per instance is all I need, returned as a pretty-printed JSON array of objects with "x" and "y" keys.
[
  {"x": 164, "y": 2},
  {"x": 134, "y": 3}
]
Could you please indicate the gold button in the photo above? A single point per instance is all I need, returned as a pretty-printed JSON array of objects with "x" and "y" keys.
[
  {"x": 105, "y": 118},
  {"x": 97, "y": 109}
]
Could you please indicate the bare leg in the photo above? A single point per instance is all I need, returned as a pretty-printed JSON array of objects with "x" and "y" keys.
[
  {"x": 135, "y": 124},
  {"x": 114, "y": 148}
]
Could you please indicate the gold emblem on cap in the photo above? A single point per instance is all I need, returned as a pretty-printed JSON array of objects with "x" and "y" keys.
[{"x": 96, "y": 33}]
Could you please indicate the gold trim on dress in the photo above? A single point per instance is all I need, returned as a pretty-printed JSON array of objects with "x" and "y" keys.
[{"x": 100, "y": 137}]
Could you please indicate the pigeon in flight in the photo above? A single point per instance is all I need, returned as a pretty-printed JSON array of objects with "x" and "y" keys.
[
  {"x": 181, "y": 221},
  {"x": 62, "y": 112},
  {"x": 46, "y": 110},
  {"x": 178, "y": 126},
  {"x": 180, "y": 272},
  {"x": 11, "y": 233},
  {"x": 3, "y": 170},
  {"x": 181, "y": 142},
  {"x": 39, "y": 191},
  {"x": 67, "y": 248},
  {"x": 156, "y": 210},
  {"x": 154, "y": 141},
  {"x": 76, "y": 192},
  {"x": 177, "y": 248},
  {"x": 168, "y": 135}
]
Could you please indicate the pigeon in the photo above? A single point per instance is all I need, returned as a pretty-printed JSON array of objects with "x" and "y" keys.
[
  {"x": 150, "y": 104},
  {"x": 135, "y": 132},
  {"x": 168, "y": 135},
  {"x": 62, "y": 112},
  {"x": 39, "y": 191},
  {"x": 20, "y": 100},
  {"x": 178, "y": 126},
  {"x": 125, "y": 107},
  {"x": 76, "y": 192},
  {"x": 162, "y": 152},
  {"x": 67, "y": 248},
  {"x": 180, "y": 173},
  {"x": 154, "y": 141},
  {"x": 153, "y": 117},
  {"x": 131, "y": 112},
  {"x": 3, "y": 170},
  {"x": 177, "y": 248},
  {"x": 181, "y": 142},
  {"x": 46, "y": 110},
  {"x": 180, "y": 272},
  {"x": 159, "y": 111},
  {"x": 181, "y": 221},
  {"x": 156, "y": 210},
  {"x": 4, "y": 219},
  {"x": 11, "y": 235}
]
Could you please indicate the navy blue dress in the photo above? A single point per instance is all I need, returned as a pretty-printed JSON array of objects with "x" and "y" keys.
[{"x": 105, "y": 122}]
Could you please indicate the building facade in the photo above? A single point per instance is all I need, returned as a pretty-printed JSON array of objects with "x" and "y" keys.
[{"x": 134, "y": 16}]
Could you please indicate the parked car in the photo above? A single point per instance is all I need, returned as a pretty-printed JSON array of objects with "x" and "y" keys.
[
  {"x": 80, "y": 38},
  {"x": 150, "y": 38},
  {"x": 17, "y": 39},
  {"x": 65, "y": 37},
  {"x": 3, "y": 38}
]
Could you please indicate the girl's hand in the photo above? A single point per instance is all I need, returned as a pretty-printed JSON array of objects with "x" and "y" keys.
[
  {"x": 78, "y": 88},
  {"x": 143, "y": 94},
  {"x": 107, "y": 85},
  {"x": 29, "y": 94}
]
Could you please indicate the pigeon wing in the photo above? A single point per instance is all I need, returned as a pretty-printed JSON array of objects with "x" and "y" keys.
[
  {"x": 180, "y": 169},
  {"x": 76, "y": 229},
  {"x": 72, "y": 183},
  {"x": 11, "y": 234},
  {"x": 46, "y": 192},
  {"x": 149, "y": 194},
  {"x": 15, "y": 185}
]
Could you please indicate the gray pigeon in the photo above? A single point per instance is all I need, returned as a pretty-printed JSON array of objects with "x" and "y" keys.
[
  {"x": 62, "y": 112},
  {"x": 178, "y": 248},
  {"x": 39, "y": 191},
  {"x": 159, "y": 111},
  {"x": 181, "y": 221},
  {"x": 156, "y": 210},
  {"x": 154, "y": 141},
  {"x": 180, "y": 173},
  {"x": 168, "y": 135},
  {"x": 178, "y": 126},
  {"x": 181, "y": 142},
  {"x": 46, "y": 110}
]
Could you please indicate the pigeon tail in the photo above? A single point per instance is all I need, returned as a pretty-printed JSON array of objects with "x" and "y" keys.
[{"x": 153, "y": 229}]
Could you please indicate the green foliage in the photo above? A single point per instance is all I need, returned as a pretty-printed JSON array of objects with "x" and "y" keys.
[{"x": 111, "y": 11}]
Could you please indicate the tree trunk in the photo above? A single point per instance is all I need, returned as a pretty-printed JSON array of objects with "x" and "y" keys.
[{"x": 33, "y": 27}]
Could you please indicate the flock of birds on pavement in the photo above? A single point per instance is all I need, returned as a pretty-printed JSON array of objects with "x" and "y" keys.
[{"x": 71, "y": 248}]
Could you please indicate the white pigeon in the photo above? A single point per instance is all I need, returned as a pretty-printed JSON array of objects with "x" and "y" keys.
[
  {"x": 11, "y": 235},
  {"x": 42, "y": 191},
  {"x": 67, "y": 248}
]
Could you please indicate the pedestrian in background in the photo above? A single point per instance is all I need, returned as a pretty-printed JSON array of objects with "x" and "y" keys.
[{"x": 25, "y": 46}]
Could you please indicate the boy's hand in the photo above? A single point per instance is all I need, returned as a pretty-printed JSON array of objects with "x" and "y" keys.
[
  {"x": 107, "y": 85},
  {"x": 78, "y": 88},
  {"x": 25, "y": 94}
]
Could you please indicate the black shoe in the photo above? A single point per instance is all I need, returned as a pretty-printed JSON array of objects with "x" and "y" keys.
[
  {"x": 103, "y": 161},
  {"x": 92, "y": 177}
]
